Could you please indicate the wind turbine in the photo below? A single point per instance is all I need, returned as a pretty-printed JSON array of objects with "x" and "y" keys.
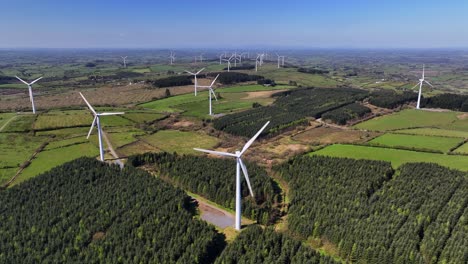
[
  {"x": 98, "y": 124},
  {"x": 196, "y": 82},
  {"x": 172, "y": 57},
  {"x": 258, "y": 61},
  {"x": 420, "y": 83},
  {"x": 240, "y": 165},
  {"x": 211, "y": 91},
  {"x": 280, "y": 58},
  {"x": 228, "y": 63},
  {"x": 31, "y": 98},
  {"x": 124, "y": 61}
]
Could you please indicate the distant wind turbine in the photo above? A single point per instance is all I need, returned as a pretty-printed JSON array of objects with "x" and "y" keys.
[
  {"x": 210, "y": 92},
  {"x": 240, "y": 165},
  {"x": 280, "y": 60},
  {"x": 420, "y": 83},
  {"x": 124, "y": 61},
  {"x": 31, "y": 97},
  {"x": 172, "y": 57},
  {"x": 196, "y": 82},
  {"x": 98, "y": 124}
]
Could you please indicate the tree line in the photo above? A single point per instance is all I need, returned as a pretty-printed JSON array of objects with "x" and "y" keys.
[
  {"x": 375, "y": 216},
  {"x": 391, "y": 99},
  {"x": 291, "y": 108},
  {"x": 85, "y": 211},
  {"x": 214, "y": 179}
]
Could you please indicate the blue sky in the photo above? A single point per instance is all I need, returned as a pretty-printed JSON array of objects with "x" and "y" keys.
[{"x": 231, "y": 24}]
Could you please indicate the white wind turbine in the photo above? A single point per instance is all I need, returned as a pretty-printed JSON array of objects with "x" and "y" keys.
[
  {"x": 228, "y": 63},
  {"x": 240, "y": 165},
  {"x": 98, "y": 124},
  {"x": 196, "y": 81},
  {"x": 258, "y": 61},
  {"x": 280, "y": 59},
  {"x": 420, "y": 83},
  {"x": 210, "y": 92},
  {"x": 172, "y": 57},
  {"x": 31, "y": 98},
  {"x": 124, "y": 61}
]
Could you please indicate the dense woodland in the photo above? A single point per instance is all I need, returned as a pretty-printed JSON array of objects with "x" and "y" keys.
[
  {"x": 312, "y": 71},
  {"x": 291, "y": 108},
  {"x": 87, "y": 212},
  {"x": 391, "y": 99},
  {"x": 419, "y": 215},
  {"x": 457, "y": 102},
  {"x": 214, "y": 179},
  {"x": 255, "y": 245},
  {"x": 241, "y": 67},
  {"x": 173, "y": 81},
  {"x": 344, "y": 114},
  {"x": 234, "y": 77}
]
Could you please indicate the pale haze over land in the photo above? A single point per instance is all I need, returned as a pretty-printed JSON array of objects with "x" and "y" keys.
[{"x": 230, "y": 24}]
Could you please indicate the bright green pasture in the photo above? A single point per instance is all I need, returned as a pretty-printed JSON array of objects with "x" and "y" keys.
[
  {"x": 5, "y": 117},
  {"x": 7, "y": 174},
  {"x": 16, "y": 148},
  {"x": 434, "y": 132},
  {"x": 443, "y": 144},
  {"x": 180, "y": 141},
  {"x": 140, "y": 117},
  {"x": 396, "y": 156},
  {"x": 252, "y": 88},
  {"x": 121, "y": 139},
  {"x": 62, "y": 120},
  {"x": 66, "y": 132},
  {"x": 60, "y": 143},
  {"x": 114, "y": 121},
  {"x": 170, "y": 104},
  {"x": 409, "y": 118},
  {"x": 462, "y": 149},
  {"x": 22, "y": 123},
  {"x": 46, "y": 160}
]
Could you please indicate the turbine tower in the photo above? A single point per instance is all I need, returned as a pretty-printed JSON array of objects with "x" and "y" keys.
[
  {"x": 420, "y": 83},
  {"x": 228, "y": 63},
  {"x": 31, "y": 97},
  {"x": 196, "y": 82},
  {"x": 210, "y": 92},
  {"x": 280, "y": 60},
  {"x": 240, "y": 165},
  {"x": 98, "y": 124},
  {"x": 124, "y": 61}
]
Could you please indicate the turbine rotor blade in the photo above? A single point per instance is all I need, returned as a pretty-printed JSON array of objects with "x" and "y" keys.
[
  {"x": 108, "y": 114},
  {"x": 92, "y": 126},
  {"x": 89, "y": 105},
  {"x": 190, "y": 72},
  {"x": 35, "y": 80},
  {"x": 414, "y": 86},
  {"x": 21, "y": 80},
  {"x": 250, "y": 142},
  {"x": 214, "y": 80},
  {"x": 429, "y": 83},
  {"x": 199, "y": 71},
  {"x": 246, "y": 175},
  {"x": 212, "y": 91},
  {"x": 219, "y": 153}
]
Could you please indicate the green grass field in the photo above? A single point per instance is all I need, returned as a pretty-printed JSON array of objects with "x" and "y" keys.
[
  {"x": 65, "y": 132},
  {"x": 22, "y": 123},
  {"x": 462, "y": 149},
  {"x": 60, "y": 143},
  {"x": 443, "y": 144},
  {"x": 252, "y": 88},
  {"x": 5, "y": 117},
  {"x": 409, "y": 119},
  {"x": 7, "y": 174},
  {"x": 179, "y": 141},
  {"x": 284, "y": 75},
  {"x": 396, "y": 156},
  {"x": 140, "y": 117},
  {"x": 169, "y": 105},
  {"x": 17, "y": 148},
  {"x": 124, "y": 138},
  {"x": 434, "y": 132},
  {"x": 62, "y": 120},
  {"x": 46, "y": 160}
]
